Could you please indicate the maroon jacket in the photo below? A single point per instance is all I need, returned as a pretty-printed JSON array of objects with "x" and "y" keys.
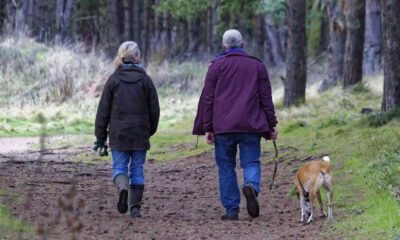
[{"x": 236, "y": 97}]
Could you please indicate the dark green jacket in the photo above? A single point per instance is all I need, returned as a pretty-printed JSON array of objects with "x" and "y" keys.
[{"x": 128, "y": 111}]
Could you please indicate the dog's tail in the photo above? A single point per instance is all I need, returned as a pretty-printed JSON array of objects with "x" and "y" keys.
[
  {"x": 303, "y": 191},
  {"x": 326, "y": 159}
]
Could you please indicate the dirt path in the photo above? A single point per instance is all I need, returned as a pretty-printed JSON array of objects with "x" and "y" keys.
[{"x": 181, "y": 201}]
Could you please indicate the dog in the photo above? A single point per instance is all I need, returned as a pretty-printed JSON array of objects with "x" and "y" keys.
[{"x": 309, "y": 179}]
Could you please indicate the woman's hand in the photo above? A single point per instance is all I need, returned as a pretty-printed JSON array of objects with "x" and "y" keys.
[{"x": 210, "y": 138}]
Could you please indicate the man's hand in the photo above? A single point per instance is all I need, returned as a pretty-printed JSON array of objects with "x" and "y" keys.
[
  {"x": 210, "y": 138},
  {"x": 274, "y": 134}
]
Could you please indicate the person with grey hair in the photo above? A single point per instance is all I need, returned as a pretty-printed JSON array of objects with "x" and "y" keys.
[
  {"x": 128, "y": 114},
  {"x": 236, "y": 109}
]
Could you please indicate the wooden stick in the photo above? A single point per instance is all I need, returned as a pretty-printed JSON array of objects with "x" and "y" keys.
[{"x": 276, "y": 164}]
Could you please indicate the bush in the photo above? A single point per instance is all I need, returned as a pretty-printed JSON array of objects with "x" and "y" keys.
[
  {"x": 386, "y": 170},
  {"x": 336, "y": 119},
  {"x": 381, "y": 118},
  {"x": 296, "y": 125},
  {"x": 32, "y": 72}
]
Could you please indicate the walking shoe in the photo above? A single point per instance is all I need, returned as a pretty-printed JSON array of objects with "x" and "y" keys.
[
  {"x": 121, "y": 182},
  {"x": 251, "y": 198},
  {"x": 135, "y": 199},
  {"x": 232, "y": 215}
]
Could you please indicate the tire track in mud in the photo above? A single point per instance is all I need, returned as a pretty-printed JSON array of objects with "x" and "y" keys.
[{"x": 181, "y": 201}]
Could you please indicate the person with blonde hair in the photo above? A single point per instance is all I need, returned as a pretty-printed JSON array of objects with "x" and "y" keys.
[{"x": 128, "y": 114}]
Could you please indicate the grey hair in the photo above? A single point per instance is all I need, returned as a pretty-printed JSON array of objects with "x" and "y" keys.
[
  {"x": 232, "y": 39},
  {"x": 126, "y": 51}
]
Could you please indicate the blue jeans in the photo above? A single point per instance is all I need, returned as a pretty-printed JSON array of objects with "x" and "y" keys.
[
  {"x": 225, "y": 155},
  {"x": 135, "y": 160}
]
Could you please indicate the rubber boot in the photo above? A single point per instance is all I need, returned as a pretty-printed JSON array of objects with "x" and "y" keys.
[
  {"x": 122, "y": 182},
  {"x": 135, "y": 199}
]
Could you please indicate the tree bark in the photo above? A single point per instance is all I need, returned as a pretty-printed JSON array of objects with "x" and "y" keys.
[
  {"x": 146, "y": 31},
  {"x": 295, "y": 83},
  {"x": 157, "y": 27},
  {"x": 283, "y": 36},
  {"x": 260, "y": 37},
  {"x": 324, "y": 32},
  {"x": 137, "y": 22},
  {"x": 165, "y": 43},
  {"x": 372, "y": 54},
  {"x": 337, "y": 40},
  {"x": 43, "y": 21},
  {"x": 391, "y": 56},
  {"x": 215, "y": 39},
  {"x": 354, "y": 49},
  {"x": 209, "y": 29},
  {"x": 193, "y": 37},
  {"x": 112, "y": 34},
  {"x": 130, "y": 19},
  {"x": 275, "y": 46},
  {"x": 63, "y": 20}
]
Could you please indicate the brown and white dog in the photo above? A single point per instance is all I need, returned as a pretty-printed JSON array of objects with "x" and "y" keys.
[{"x": 309, "y": 179}]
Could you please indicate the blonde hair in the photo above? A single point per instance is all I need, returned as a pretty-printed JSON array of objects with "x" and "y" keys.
[{"x": 126, "y": 51}]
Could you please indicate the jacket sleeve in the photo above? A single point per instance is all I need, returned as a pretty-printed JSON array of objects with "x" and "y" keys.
[
  {"x": 209, "y": 93},
  {"x": 104, "y": 111},
  {"x": 154, "y": 106},
  {"x": 264, "y": 93}
]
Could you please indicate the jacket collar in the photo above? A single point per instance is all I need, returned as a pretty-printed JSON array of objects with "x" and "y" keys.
[{"x": 234, "y": 50}]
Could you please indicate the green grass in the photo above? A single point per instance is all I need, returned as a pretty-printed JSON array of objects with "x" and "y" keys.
[{"x": 366, "y": 200}]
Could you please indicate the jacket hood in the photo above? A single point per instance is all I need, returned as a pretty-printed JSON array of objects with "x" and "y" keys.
[{"x": 130, "y": 74}]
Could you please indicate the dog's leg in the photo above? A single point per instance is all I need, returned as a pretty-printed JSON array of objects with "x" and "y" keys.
[
  {"x": 320, "y": 204},
  {"x": 303, "y": 213},
  {"x": 312, "y": 198},
  {"x": 330, "y": 197}
]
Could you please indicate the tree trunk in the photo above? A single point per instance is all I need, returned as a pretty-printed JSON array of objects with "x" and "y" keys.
[
  {"x": 43, "y": 21},
  {"x": 260, "y": 37},
  {"x": 137, "y": 22},
  {"x": 354, "y": 49},
  {"x": 283, "y": 36},
  {"x": 3, "y": 11},
  {"x": 295, "y": 83},
  {"x": 129, "y": 16},
  {"x": 337, "y": 40},
  {"x": 146, "y": 31},
  {"x": 215, "y": 39},
  {"x": 120, "y": 20},
  {"x": 275, "y": 46},
  {"x": 391, "y": 56},
  {"x": 372, "y": 54},
  {"x": 324, "y": 32},
  {"x": 157, "y": 27},
  {"x": 209, "y": 29},
  {"x": 63, "y": 20},
  {"x": 193, "y": 37},
  {"x": 165, "y": 44},
  {"x": 112, "y": 39}
]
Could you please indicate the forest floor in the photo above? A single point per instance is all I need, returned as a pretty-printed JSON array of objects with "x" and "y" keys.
[{"x": 63, "y": 198}]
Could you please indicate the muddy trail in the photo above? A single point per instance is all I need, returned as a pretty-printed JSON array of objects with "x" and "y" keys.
[{"x": 65, "y": 199}]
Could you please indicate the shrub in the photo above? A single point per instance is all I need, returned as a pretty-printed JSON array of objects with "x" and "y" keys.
[
  {"x": 336, "y": 119},
  {"x": 381, "y": 118},
  {"x": 297, "y": 124},
  {"x": 386, "y": 170}
]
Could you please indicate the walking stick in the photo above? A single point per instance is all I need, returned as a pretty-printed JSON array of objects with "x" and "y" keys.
[{"x": 276, "y": 164}]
